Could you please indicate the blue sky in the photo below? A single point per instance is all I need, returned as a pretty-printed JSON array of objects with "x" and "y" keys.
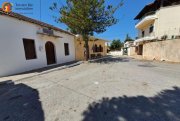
[{"x": 125, "y": 15}]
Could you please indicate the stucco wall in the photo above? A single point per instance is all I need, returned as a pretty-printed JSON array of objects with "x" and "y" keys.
[
  {"x": 116, "y": 53},
  {"x": 131, "y": 51},
  {"x": 12, "y": 55},
  {"x": 168, "y": 21},
  {"x": 168, "y": 50},
  {"x": 79, "y": 48},
  {"x": 146, "y": 30}
]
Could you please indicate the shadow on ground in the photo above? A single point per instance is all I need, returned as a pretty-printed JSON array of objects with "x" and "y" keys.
[
  {"x": 111, "y": 60},
  {"x": 147, "y": 64},
  {"x": 163, "y": 107},
  {"x": 19, "y": 102},
  {"x": 47, "y": 68}
]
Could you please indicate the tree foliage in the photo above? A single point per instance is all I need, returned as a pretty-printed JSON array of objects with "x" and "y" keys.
[
  {"x": 87, "y": 17},
  {"x": 116, "y": 45},
  {"x": 128, "y": 38}
]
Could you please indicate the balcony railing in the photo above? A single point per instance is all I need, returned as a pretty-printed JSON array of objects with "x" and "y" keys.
[
  {"x": 147, "y": 38},
  {"x": 152, "y": 34}
]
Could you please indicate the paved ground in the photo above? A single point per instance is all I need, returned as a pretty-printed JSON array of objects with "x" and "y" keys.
[
  {"x": 40, "y": 71},
  {"x": 113, "y": 89}
]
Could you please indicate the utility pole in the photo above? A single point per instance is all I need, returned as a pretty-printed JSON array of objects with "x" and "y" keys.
[{"x": 40, "y": 9}]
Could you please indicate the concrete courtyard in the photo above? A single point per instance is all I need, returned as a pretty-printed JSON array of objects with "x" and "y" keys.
[{"x": 112, "y": 89}]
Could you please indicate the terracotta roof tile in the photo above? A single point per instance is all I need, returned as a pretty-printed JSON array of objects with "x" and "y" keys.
[{"x": 27, "y": 19}]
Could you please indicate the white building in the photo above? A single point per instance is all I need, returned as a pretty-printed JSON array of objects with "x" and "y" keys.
[
  {"x": 128, "y": 44},
  {"x": 27, "y": 44},
  {"x": 129, "y": 48},
  {"x": 158, "y": 20}
]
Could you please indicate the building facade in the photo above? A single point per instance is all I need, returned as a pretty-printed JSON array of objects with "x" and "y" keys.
[
  {"x": 27, "y": 44},
  {"x": 129, "y": 48},
  {"x": 97, "y": 47},
  {"x": 158, "y": 21}
]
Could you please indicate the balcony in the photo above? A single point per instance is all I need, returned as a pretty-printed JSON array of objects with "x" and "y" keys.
[
  {"x": 147, "y": 19},
  {"x": 147, "y": 38}
]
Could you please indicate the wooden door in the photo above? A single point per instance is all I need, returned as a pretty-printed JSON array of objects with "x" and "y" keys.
[
  {"x": 140, "y": 49},
  {"x": 50, "y": 53}
]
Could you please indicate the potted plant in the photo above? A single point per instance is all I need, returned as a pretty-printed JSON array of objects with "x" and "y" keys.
[
  {"x": 164, "y": 37},
  {"x": 177, "y": 37}
]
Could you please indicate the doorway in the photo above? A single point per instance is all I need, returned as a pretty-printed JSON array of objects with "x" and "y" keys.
[
  {"x": 140, "y": 50},
  {"x": 50, "y": 53}
]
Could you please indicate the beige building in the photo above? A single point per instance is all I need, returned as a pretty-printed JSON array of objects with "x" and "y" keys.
[
  {"x": 97, "y": 47},
  {"x": 157, "y": 21}
]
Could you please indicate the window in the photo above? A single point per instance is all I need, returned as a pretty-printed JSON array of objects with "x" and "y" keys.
[
  {"x": 66, "y": 49},
  {"x": 151, "y": 29},
  {"x": 100, "y": 48},
  {"x": 29, "y": 48},
  {"x": 95, "y": 48},
  {"x": 142, "y": 33}
]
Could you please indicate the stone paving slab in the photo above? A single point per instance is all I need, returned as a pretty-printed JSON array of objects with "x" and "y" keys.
[
  {"x": 40, "y": 71},
  {"x": 110, "y": 89}
]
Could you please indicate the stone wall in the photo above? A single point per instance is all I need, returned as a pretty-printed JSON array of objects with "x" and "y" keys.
[{"x": 168, "y": 50}]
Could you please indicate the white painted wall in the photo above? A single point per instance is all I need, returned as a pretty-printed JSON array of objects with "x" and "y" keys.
[
  {"x": 129, "y": 44},
  {"x": 146, "y": 31},
  {"x": 12, "y": 55},
  {"x": 116, "y": 53},
  {"x": 167, "y": 23}
]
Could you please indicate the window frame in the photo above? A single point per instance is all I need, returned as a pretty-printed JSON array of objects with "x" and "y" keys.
[
  {"x": 66, "y": 52},
  {"x": 100, "y": 48},
  {"x": 28, "y": 51},
  {"x": 95, "y": 48},
  {"x": 143, "y": 33},
  {"x": 151, "y": 29}
]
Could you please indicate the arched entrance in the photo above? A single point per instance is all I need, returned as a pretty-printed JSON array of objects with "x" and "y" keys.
[{"x": 50, "y": 53}]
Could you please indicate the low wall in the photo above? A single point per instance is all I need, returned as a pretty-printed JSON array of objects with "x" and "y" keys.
[
  {"x": 116, "y": 53},
  {"x": 131, "y": 51},
  {"x": 168, "y": 50}
]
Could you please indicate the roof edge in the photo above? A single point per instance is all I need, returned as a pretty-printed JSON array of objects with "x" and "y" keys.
[{"x": 34, "y": 21}]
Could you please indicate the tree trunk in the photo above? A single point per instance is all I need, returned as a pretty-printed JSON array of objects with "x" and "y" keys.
[{"x": 86, "y": 39}]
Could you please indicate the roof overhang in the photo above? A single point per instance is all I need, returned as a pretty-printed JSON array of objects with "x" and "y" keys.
[
  {"x": 146, "y": 9},
  {"x": 146, "y": 21},
  {"x": 34, "y": 21},
  {"x": 155, "y": 6}
]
